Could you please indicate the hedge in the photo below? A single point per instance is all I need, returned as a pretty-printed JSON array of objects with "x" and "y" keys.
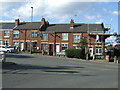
[{"x": 73, "y": 53}]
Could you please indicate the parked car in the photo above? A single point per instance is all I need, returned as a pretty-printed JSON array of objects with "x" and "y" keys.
[{"x": 6, "y": 48}]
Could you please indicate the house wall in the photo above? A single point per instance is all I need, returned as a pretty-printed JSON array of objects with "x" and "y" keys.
[{"x": 25, "y": 36}]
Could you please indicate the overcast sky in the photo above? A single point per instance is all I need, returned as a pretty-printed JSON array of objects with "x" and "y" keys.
[{"x": 61, "y": 11}]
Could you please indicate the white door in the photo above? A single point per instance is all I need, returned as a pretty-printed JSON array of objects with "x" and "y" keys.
[
  {"x": 57, "y": 48},
  {"x": 21, "y": 46},
  {"x": 91, "y": 51}
]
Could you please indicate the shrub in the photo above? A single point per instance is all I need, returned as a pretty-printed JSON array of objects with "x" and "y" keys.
[{"x": 73, "y": 53}]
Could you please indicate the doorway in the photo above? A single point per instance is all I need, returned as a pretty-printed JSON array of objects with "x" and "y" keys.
[
  {"x": 50, "y": 49},
  {"x": 91, "y": 51},
  {"x": 21, "y": 46},
  {"x": 57, "y": 48}
]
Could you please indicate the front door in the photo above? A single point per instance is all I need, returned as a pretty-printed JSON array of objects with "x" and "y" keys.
[
  {"x": 50, "y": 49},
  {"x": 91, "y": 51},
  {"x": 57, "y": 48},
  {"x": 21, "y": 46}
]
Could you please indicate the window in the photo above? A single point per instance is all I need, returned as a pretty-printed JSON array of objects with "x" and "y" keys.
[
  {"x": 15, "y": 45},
  {"x": 0, "y": 42},
  {"x": 64, "y": 36},
  {"x": 16, "y": 34},
  {"x": 64, "y": 46},
  {"x": 6, "y": 33},
  {"x": 99, "y": 50},
  {"x": 76, "y": 47},
  {"x": 99, "y": 38},
  {"x": 6, "y": 43},
  {"x": 34, "y": 34},
  {"x": 45, "y": 37},
  {"x": 45, "y": 47},
  {"x": 76, "y": 38}
]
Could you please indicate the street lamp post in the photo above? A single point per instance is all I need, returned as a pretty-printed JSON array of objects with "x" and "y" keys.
[{"x": 30, "y": 33}]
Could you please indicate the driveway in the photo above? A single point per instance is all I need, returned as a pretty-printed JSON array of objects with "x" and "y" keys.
[{"x": 38, "y": 71}]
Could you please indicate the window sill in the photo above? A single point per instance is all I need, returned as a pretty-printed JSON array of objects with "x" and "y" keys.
[
  {"x": 16, "y": 37},
  {"x": 44, "y": 40},
  {"x": 64, "y": 40},
  {"x": 76, "y": 42},
  {"x": 6, "y": 36},
  {"x": 98, "y": 54}
]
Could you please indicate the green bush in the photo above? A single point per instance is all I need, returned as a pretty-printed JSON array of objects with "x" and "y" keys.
[{"x": 73, "y": 53}]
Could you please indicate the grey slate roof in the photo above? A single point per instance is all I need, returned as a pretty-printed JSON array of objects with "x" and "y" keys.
[
  {"x": 77, "y": 28},
  {"x": 7, "y": 25},
  {"x": 28, "y": 25},
  {"x": 82, "y": 27}
]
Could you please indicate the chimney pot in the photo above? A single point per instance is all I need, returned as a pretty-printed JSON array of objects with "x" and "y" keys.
[
  {"x": 43, "y": 21},
  {"x": 72, "y": 23},
  {"x": 17, "y": 22}
]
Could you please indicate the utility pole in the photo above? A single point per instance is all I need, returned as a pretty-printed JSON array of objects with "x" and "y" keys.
[{"x": 31, "y": 33}]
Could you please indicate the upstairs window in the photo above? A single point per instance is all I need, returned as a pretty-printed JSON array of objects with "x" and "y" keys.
[
  {"x": 34, "y": 34},
  {"x": 64, "y": 36},
  {"x": 16, "y": 34},
  {"x": 6, "y": 33},
  {"x": 45, "y": 37},
  {"x": 76, "y": 38}
]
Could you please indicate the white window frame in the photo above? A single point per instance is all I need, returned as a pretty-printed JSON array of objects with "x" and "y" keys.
[
  {"x": 6, "y": 34},
  {"x": 16, "y": 44},
  {"x": 6, "y": 42},
  {"x": 44, "y": 37},
  {"x": 16, "y": 33},
  {"x": 98, "y": 50},
  {"x": 64, "y": 36},
  {"x": 44, "y": 47},
  {"x": 34, "y": 34},
  {"x": 64, "y": 46},
  {"x": 1, "y": 42},
  {"x": 76, "y": 38},
  {"x": 76, "y": 47}
]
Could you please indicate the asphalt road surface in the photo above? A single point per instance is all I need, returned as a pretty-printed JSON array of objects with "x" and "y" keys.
[{"x": 38, "y": 71}]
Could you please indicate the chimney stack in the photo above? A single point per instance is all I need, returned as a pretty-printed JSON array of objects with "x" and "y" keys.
[
  {"x": 72, "y": 23},
  {"x": 43, "y": 22},
  {"x": 17, "y": 22}
]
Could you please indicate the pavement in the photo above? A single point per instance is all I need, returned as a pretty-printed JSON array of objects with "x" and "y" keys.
[{"x": 39, "y": 71}]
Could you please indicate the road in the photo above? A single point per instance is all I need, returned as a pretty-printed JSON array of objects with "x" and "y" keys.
[{"x": 38, "y": 71}]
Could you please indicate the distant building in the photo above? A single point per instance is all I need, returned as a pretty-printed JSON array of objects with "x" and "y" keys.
[{"x": 54, "y": 38}]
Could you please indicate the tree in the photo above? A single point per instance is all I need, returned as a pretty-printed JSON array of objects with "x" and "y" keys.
[
  {"x": 118, "y": 38},
  {"x": 84, "y": 46}
]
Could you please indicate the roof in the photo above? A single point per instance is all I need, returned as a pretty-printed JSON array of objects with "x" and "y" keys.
[
  {"x": 29, "y": 25},
  {"x": 7, "y": 25},
  {"x": 77, "y": 28}
]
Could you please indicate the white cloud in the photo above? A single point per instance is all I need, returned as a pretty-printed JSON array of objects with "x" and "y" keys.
[
  {"x": 60, "y": 9},
  {"x": 116, "y": 12},
  {"x": 47, "y": 8},
  {"x": 90, "y": 17},
  {"x": 62, "y": 0},
  {"x": 7, "y": 20},
  {"x": 100, "y": 20}
]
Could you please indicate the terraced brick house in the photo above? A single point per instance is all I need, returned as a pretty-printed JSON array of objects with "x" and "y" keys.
[
  {"x": 6, "y": 33},
  {"x": 55, "y": 38}
]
